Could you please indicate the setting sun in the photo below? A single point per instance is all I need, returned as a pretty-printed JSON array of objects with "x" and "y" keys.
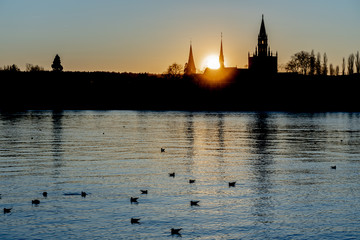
[{"x": 212, "y": 62}]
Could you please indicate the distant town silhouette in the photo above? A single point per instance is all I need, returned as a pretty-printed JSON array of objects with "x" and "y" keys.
[{"x": 307, "y": 85}]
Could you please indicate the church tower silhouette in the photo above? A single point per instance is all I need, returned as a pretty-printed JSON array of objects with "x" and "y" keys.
[
  {"x": 262, "y": 39},
  {"x": 190, "y": 65},
  {"x": 263, "y": 61}
]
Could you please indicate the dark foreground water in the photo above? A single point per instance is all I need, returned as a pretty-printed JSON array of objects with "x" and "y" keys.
[{"x": 285, "y": 187}]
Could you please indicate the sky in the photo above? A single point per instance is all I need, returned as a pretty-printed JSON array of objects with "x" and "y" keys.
[{"x": 149, "y": 35}]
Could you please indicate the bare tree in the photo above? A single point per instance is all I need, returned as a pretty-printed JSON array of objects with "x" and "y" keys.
[
  {"x": 318, "y": 64},
  {"x": 292, "y": 66},
  {"x": 332, "y": 70},
  {"x": 351, "y": 59},
  {"x": 337, "y": 70},
  {"x": 174, "y": 70},
  {"x": 324, "y": 68},
  {"x": 343, "y": 67},
  {"x": 32, "y": 68},
  {"x": 357, "y": 62},
  {"x": 300, "y": 62}
]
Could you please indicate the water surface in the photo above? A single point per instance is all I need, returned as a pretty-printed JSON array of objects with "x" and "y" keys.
[{"x": 285, "y": 188}]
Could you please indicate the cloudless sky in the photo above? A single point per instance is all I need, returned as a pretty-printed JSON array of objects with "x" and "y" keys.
[{"x": 149, "y": 35}]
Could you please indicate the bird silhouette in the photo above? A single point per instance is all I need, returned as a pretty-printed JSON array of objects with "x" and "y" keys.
[
  {"x": 36, "y": 201},
  {"x": 44, "y": 194},
  {"x": 162, "y": 149},
  {"x": 134, "y": 199},
  {"x": 194, "y": 203},
  {"x": 144, "y": 191},
  {"x": 83, "y": 194},
  {"x": 232, "y": 184},
  {"x": 175, "y": 231},
  {"x": 135, "y": 220},
  {"x": 191, "y": 181},
  {"x": 7, "y": 210},
  {"x": 333, "y": 167},
  {"x": 172, "y": 174}
]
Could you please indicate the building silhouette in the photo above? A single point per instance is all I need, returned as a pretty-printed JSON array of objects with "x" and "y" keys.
[
  {"x": 190, "y": 65},
  {"x": 222, "y": 73},
  {"x": 221, "y": 56},
  {"x": 262, "y": 61}
]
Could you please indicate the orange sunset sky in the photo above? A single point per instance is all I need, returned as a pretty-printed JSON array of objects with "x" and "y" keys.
[{"x": 148, "y": 36}]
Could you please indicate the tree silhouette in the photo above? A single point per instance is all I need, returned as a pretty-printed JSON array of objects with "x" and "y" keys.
[
  {"x": 351, "y": 64},
  {"x": 324, "y": 68},
  {"x": 318, "y": 64},
  {"x": 312, "y": 63},
  {"x": 292, "y": 66},
  {"x": 357, "y": 62},
  {"x": 11, "y": 68},
  {"x": 331, "y": 69},
  {"x": 337, "y": 70},
  {"x": 32, "y": 68},
  {"x": 343, "y": 67},
  {"x": 174, "y": 70},
  {"x": 300, "y": 62},
  {"x": 56, "y": 66}
]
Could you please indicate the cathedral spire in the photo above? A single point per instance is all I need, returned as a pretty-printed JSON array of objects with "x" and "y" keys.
[
  {"x": 221, "y": 57},
  {"x": 262, "y": 40},
  {"x": 262, "y": 32},
  {"x": 190, "y": 66}
]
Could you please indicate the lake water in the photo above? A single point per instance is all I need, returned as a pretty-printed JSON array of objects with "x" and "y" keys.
[{"x": 281, "y": 162}]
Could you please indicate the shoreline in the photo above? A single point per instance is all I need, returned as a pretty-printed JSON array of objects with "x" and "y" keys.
[{"x": 141, "y": 91}]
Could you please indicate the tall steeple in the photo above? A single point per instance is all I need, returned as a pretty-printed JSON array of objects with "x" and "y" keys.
[
  {"x": 263, "y": 62},
  {"x": 221, "y": 57},
  {"x": 262, "y": 39},
  {"x": 190, "y": 66}
]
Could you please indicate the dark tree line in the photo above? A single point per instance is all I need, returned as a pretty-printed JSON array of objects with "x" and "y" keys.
[
  {"x": 11, "y": 68},
  {"x": 308, "y": 64},
  {"x": 56, "y": 66}
]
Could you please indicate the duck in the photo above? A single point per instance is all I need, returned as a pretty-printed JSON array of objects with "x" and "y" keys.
[
  {"x": 194, "y": 203},
  {"x": 134, "y": 220},
  {"x": 44, "y": 194},
  {"x": 172, "y": 174},
  {"x": 232, "y": 184},
  {"x": 191, "y": 181},
  {"x": 7, "y": 210},
  {"x": 333, "y": 167},
  {"x": 175, "y": 231},
  {"x": 83, "y": 194},
  {"x": 35, "y": 201},
  {"x": 162, "y": 149},
  {"x": 134, "y": 199},
  {"x": 144, "y": 191}
]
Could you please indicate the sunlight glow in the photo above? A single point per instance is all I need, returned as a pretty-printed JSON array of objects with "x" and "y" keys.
[{"x": 212, "y": 62}]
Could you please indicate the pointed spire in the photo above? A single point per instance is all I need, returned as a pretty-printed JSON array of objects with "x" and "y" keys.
[
  {"x": 262, "y": 32},
  {"x": 262, "y": 39},
  {"x": 190, "y": 67},
  {"x": 221, "y": 57}
]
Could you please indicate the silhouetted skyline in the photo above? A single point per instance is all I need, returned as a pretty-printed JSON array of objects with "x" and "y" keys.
[{"x": 148, "y": 36}]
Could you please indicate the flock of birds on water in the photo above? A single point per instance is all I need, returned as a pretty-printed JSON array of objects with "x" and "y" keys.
[{"x": 174, "y": 231}]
